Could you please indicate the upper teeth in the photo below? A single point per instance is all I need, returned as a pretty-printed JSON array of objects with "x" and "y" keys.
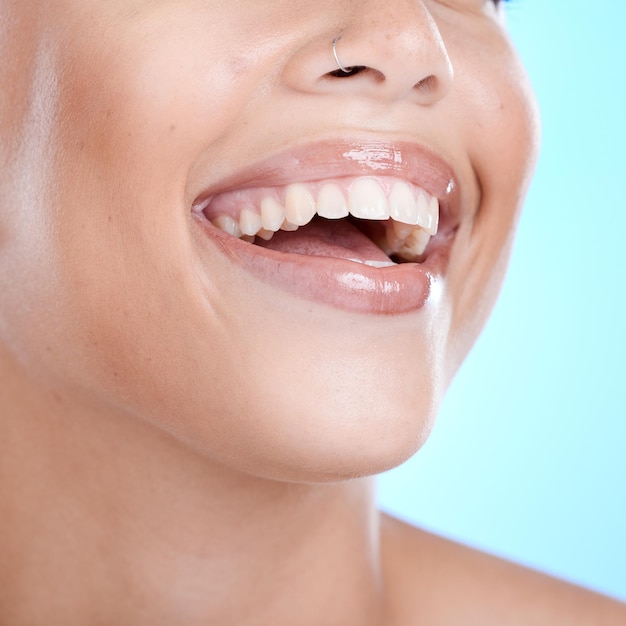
[{"x": 260, "y": 212}]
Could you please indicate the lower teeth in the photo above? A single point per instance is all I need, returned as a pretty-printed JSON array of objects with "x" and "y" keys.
[{"x": 374, "y": 263}]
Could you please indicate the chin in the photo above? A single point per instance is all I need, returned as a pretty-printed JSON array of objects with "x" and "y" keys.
[
  {"x": 341, "y": 423},
  {"x": 336, "y": 449}
]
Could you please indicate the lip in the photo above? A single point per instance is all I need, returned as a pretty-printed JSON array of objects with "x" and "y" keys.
[{"x": 342, "y": 283}]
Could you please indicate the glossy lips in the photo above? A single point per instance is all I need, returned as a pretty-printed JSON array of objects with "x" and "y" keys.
[{"x": 395, "y": 191}]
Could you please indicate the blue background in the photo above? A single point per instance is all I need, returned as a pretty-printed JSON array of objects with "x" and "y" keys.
[{"x": 528, "y": 457}]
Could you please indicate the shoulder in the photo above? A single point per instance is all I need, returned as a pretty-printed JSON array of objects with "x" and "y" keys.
[{"x": 436, "y": 581}]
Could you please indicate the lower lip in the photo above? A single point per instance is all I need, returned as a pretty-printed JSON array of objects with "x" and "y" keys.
[{"x": 339, "y": 283}]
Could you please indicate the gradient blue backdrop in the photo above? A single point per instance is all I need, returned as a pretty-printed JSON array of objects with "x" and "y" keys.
[{"x": 528, "y": 457}]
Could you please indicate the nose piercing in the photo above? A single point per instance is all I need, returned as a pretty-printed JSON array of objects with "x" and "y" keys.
[{"x": 345, "y": 70}]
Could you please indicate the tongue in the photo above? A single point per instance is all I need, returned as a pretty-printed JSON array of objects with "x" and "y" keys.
[{"x": 330, "y": 238}]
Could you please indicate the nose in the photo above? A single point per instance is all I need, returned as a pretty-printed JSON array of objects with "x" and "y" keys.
[{"x": 387, "y": 51}]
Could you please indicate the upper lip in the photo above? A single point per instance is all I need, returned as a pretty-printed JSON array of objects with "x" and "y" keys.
[{"x": 349, "y": 157}]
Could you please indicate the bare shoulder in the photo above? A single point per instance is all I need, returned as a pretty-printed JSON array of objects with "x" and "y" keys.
[{"x": 439, "y": 582}]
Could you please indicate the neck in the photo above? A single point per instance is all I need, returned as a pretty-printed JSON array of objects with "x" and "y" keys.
[{"x": 108, "y": 520}]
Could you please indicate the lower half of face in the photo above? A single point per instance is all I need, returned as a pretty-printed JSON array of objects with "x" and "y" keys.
[{"x": 209, "y": 225}]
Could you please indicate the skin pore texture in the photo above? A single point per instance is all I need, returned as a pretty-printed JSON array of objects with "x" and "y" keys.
[{"x": 186, "y": 436}]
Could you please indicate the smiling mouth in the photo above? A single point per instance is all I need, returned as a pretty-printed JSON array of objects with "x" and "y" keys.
[
  {"x": 339, "y": 218},
  {"x": 361, "y": 227}
]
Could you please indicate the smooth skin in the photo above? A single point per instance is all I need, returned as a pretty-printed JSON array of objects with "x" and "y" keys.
[{"x": 174, "y": 445}]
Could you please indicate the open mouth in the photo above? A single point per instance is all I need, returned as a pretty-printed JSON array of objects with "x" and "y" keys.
[
  {"x": 378, "y": 221},
  {"x": 361, "y": 226}
]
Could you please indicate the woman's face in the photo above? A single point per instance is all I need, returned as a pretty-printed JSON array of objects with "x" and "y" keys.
[{"x": 128, "y": 125}]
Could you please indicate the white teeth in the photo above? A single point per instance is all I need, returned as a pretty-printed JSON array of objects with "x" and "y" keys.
[
  {"x": 299, "y": 204},
  {"x": 396, "y": 233},
  {"x": 374, "y": 263},
  {"x": 402, "y": 205},
  {"x": 249, "y": 222},
  {"x": 414, "y": 245},
  {"x": 433, "y": 206},
  {"x": 265, "y": 234},
  {"x": 428, "y": 211},
  {"x": 368, "y": 200},
  {"x": 422, "y": 210},
  {"x": 401, "y": 230},
  {"x": 414, "y": 214},
  {"x": 228, "y": 225},
  {"x": 405, "y": 241},
  {"x": 272, "y": 214},
  {"x": 380, "y": 263},
  {"x": 331, "y": 203},
  {"x": 288, "y": 226}
]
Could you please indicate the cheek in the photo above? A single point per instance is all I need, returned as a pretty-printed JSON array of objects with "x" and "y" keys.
[
  {"x": 146, "y": 98},
  {"x": 115, "y": 108},
  {"x": 124, "y": 108},
  {"x": 503, "y": 138}
]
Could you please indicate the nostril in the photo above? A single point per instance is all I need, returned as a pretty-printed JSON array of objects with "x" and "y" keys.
[
  {"x": 348, "y": 71},
  {"x": 345, "y": 71},
  {"x": 427, "y": 84}
]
